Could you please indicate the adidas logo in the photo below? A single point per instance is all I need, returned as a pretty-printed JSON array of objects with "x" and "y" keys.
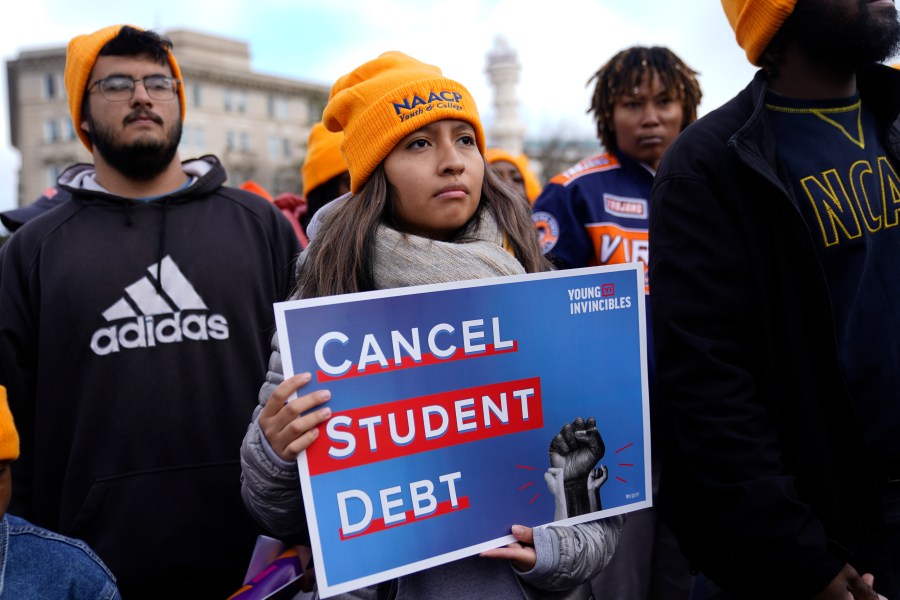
[{"x": 146, "y": 316}]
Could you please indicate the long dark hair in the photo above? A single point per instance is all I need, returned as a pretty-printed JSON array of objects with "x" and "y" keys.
[{"x": 338, "y": 259}]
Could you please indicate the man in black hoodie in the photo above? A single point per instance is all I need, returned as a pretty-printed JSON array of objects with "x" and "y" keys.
[
  {"x": 134, "y": 333},
  {"x": 776, "y": 310}
]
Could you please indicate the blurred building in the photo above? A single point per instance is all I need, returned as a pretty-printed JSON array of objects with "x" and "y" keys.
[
  {"x": 507, "y": 131},
  {"x": 548, "y": 152},
  {"x": 256, "y": 124}
]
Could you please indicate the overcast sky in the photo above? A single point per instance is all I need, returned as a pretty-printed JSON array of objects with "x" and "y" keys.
[{"x": 560, "y": 44}]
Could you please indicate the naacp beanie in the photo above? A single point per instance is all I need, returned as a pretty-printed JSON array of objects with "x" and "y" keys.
[
  {"x": 755, "y": 23},
  {"x": 81, "y": 54},
  {"x": 382, "y": 101},
  {"x": 324, "y": 160},
  {"x": 520, "y": 162}
]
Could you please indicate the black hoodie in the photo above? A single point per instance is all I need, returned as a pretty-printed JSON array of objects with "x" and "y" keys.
[{"x": 133, "y": 337}]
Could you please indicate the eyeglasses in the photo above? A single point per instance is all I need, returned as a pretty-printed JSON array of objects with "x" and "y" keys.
[{"x": 120, "y": 88}]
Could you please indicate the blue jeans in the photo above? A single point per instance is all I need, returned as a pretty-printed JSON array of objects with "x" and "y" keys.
[{"x": 36, "y": 564}]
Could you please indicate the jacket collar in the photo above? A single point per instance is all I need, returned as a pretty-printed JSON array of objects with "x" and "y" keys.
[
  {"x": 206, "y": 172},
  {"x": 879, "y": 89},
  {"x": 754, "y": 140}
]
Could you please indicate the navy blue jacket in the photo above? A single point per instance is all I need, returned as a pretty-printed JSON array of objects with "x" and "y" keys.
[{"x": 767, "y": 484}]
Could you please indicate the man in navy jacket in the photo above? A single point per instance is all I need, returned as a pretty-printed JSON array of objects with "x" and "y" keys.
[{"x": 777, "y": 310}]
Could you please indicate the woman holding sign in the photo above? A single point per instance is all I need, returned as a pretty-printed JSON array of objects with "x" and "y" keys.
[{"x": 423, "y": 209}]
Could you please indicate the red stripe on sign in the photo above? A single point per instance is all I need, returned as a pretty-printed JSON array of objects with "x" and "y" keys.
[
  {"x": 377, "y": 525},
  {"x": 408, "y": 362},
  {"x": 372, "y": 434}
]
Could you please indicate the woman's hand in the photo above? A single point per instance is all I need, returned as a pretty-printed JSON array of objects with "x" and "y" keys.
[
  {"x": 520, "y": 552},
  {"x": 287, "y": 432}
]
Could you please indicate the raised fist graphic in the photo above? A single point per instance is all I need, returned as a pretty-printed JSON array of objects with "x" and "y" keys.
[{"x": 574, "y": 453}]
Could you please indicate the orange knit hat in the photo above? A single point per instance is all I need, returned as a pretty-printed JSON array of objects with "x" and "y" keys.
[
  {"x": 532, "y": 185},
  {"x": 81, "y": 55},
  {"x": 252, "y": 186},
  {"x": 323, "y": 158},
  {"x": 382, "y": 101},
  {"x": 9, "y": 437},
  {"x": 755, "y": 22}
]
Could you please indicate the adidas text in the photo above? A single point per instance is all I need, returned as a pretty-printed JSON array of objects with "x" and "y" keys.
[{"x": 147, "y": 331}]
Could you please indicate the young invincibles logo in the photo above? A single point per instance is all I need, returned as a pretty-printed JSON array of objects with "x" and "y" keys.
[
  {"x": 596, "y": 298},
  {"x": 158, "y": 311}
]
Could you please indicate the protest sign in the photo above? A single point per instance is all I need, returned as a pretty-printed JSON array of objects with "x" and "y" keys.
[{"x": 461, "y": 409}]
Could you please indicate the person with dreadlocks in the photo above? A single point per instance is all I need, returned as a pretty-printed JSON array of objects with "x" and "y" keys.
[{"x": 597, "y": 213}]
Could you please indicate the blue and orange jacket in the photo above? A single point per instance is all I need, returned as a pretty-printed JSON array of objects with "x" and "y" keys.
[{"x": 596, "y": 213}]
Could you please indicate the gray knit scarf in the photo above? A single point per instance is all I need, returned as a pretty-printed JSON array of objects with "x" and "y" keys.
[{"x": 404, "y": 259}]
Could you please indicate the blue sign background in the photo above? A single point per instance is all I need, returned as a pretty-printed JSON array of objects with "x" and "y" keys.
[{"x": 589, "y": 365}]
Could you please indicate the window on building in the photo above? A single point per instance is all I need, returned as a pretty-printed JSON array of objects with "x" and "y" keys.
[
  {"x": 229, "y": 100},
  {"x": 315, "y": 106},
  {"x": 245, "y": 141},
  {"x": 229, "y": 140},
  {"x": 51, "y": 131},
  {"x": 286, "y": 147},
  {"x": 68, "y": 127},
  {"x": 185, "y": 137},
  {"x": 50, "y": 86},
  {"x": 241, "y": 101},
  {"x": 277, "y": 107},
  {"x": 197, "y": 95},
  {"x": 274, "y": 146},
  {"x": 281, "y": 109}
]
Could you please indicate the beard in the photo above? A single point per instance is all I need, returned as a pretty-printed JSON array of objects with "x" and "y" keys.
[
  {"x": 841, "y": 39},
  {"x": 142, "y": 159}
]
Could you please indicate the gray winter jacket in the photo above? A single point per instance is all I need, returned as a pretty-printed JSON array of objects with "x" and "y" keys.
[{"x": 567, "y": 556}]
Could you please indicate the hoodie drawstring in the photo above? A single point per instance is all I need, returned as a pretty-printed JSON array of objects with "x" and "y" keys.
[{"x": 162, "y": 246}]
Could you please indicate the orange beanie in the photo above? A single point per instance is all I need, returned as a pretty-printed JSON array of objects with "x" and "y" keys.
[
  {"x": 382, "y": 101},
  {"x": 9, "y": 437},
  {"x": 81, "y": 55},
  {"x": 532, "y": 185},
  {"x": 252, "y": 186},
  {"x": 324, "y": 160},
  {"x": 755, "y": 22}
]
